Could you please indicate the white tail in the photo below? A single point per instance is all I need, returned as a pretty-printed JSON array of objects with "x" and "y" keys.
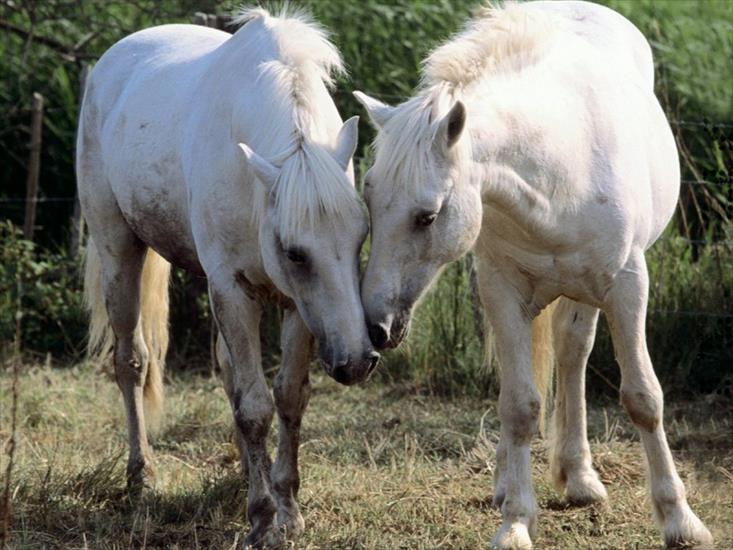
[
  {"x": 154, "y": 321},
  {"x": 543, "y": 358}
]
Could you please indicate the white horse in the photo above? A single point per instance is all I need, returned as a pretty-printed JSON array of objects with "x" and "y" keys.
[
  {"x": 537, "y": 141},
  {"x": 170, "y": 121}
]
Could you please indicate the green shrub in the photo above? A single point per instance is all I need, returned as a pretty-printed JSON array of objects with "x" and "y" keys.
[
  {"x": 40, "y": 296},
  {"x": 383, "y": 43}
]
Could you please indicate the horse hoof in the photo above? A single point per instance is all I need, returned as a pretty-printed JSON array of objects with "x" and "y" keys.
[
  {"x": 512, "y": 536},
  {"x": 272, "y": 539},
  {"x": 141, "y": 478},
  {"x": 585, "y": 489},
  {"x": 291, "y": 524},
  {"x": 687, "y": 531}
]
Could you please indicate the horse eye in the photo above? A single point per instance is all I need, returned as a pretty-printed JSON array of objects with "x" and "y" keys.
[
  {"x": 296, "y": 256},
  {"x": 425, "y": 219}
]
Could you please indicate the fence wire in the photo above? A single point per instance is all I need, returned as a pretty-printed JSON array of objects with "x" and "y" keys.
[{"x": 16, "y": 202}]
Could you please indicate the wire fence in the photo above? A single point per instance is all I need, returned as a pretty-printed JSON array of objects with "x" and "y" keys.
[
  {"x": 23, "y": 200},
  {"x": 17, "y": 203}
]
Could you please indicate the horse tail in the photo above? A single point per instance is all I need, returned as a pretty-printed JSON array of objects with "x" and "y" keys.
[
  {"x": 543, "y": 358},
  {"x": 153, "y": 316},
  {"x": 154, "y": 313},
  {"x": 100, "y": 340}
]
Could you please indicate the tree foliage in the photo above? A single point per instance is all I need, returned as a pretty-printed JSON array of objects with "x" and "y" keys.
[{"x": 45, "y": 42}]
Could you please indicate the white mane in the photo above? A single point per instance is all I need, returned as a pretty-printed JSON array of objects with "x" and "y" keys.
[
  {"x": 404, "y": 145},
  {"x": 503, "y": 39},
  {"x": 311, "y": 183},
  {"x": 303, "y": 44},
  {"x": 498, "y": 41}
]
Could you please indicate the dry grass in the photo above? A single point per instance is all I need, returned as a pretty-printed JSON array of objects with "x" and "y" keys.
[{"x": 381, "y": 468}]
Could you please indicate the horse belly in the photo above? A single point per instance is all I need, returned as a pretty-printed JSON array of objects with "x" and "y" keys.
[
  {"x": 157, "y": 217},
  {"x": 141, "y": 151},
  {"x": 580, "y": 266},
  {"x": 150, "y": 191}
]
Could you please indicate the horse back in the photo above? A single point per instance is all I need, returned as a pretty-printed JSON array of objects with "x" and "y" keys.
[
  {"x": 604, "y": 29},
  {"x": 131, "y": 126},
  {"x": 590, "y": 132}
]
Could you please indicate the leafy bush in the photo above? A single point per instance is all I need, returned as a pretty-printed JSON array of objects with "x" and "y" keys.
[
  {"x": 383, "y": 43},
  {"x": 40, "y": 296}
]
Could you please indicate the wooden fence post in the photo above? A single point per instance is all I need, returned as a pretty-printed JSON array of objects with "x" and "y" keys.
[
  {"x": 77, "y": 220},
  {"x": 212, "y": 20},
  {"x": 34, "y": 166}
]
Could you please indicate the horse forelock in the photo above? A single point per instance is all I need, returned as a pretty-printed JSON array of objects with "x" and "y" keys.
[
  {"x": 405, "y": 154},
  {"x": 313, "y": 190}
]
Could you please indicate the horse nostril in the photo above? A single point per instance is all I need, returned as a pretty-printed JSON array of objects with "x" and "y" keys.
[
  {"x": 379, "y": 335},
  {"x": 341, "y": 374}
]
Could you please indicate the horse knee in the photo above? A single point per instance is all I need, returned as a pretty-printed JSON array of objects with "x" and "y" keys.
[
  {"x": 291, "y": 398},
  {"x": 520, "y": 413},
  {"x": 253, "y": 414},
  {"x": 643, "y": 405},
  {"x": 573, "y": 348},
  {"x": 130, "y": 362},
  {"x": 574, "y": 334}
]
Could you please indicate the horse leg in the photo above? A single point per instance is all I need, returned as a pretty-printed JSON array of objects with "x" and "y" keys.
[
  {"x": 238, "y": 318},
  {"x": 641, "y": 396},
  {"x": 499, "y": 477},
  {"x": 292, "y": 390},
  {"x": 225, "y": 363},
  {"x": 574, "y": 330},
  {"x": 519, "y": 408},
  {"x": 122, "y": 260}
]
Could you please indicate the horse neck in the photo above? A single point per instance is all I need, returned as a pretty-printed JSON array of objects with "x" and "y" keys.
[
  {"x": 270, "y": 120},
  {"x": 267, "y": 112},
  {"x": 497, "y": 161}
]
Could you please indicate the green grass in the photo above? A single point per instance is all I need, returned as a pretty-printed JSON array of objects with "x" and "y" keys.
[{"x": 382, "y": 467}]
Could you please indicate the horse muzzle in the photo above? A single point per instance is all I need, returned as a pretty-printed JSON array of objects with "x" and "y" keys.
[
  {"x": 348, "y": 371},
  {"x": 390, "y": 332}
]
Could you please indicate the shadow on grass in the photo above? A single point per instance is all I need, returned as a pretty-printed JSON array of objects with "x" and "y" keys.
[{"x": 93, "y": 509}]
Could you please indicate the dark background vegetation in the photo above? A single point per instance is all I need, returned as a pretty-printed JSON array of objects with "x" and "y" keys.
[{"x": 43, "y": 45}]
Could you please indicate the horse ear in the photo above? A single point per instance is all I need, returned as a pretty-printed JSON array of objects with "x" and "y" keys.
[
  {"x": 452, "y": 125},
  {"x": 379, "y": 112},
  {"x": 266, "y": 172},
  {"x": 346, "y": 142}
]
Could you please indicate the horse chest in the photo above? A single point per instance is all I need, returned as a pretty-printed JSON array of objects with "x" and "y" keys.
[{"x": 540, "y": 277}]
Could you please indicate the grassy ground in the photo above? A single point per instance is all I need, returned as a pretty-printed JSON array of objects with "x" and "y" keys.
[{"x": 382, "y": 467}]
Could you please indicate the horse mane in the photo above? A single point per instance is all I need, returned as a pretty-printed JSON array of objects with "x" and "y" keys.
[
  {"x": 303, "y": 44},
  {"x": 311, "y": 182},
  {"x": 500, "y": 40}
]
